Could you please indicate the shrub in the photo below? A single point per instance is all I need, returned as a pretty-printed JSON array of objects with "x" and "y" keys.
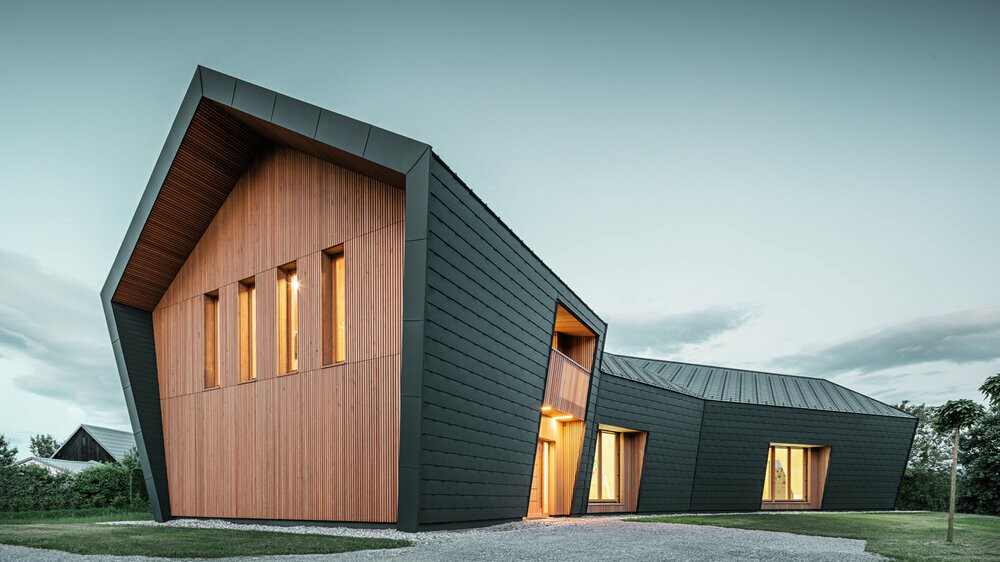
[
  {"x": 100, "y": 485},
  {"x": 32, "y": 488}
]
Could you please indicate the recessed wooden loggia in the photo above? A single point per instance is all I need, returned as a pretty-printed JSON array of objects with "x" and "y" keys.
[{"x": 564, "y": 406}]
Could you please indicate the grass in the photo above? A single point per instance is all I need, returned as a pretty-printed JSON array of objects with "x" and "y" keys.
[
  {"x": 178, "y": 542},
  {"x": 901, "y": 536},
  {"x": 91, "y": 515},
  {"x": 73, "y": 530}
]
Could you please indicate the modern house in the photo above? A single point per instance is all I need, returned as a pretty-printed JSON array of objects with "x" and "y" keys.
[
  {"x": 315, "y": 319},
  {"x": 95, "y": 443}
]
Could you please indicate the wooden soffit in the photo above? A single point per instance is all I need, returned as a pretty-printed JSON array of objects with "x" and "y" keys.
[{"x": 222, "y": 125}]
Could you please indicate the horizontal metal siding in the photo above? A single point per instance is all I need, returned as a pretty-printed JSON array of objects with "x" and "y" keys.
[
  {"x": 672, "y": 421},
  {"x": 136, "y": 356},
  {"x": 868, "y": 454},
  {"x": 490, "y": 306}
]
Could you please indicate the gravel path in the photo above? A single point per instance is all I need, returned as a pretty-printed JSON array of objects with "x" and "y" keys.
[{"x": 587, "y": 538}]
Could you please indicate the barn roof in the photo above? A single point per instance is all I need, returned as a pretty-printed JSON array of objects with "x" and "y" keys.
[
  {"x": 62, "y": 465},
  {"x": 745, "y": 387},
  {"x": 116, "y": 442}
]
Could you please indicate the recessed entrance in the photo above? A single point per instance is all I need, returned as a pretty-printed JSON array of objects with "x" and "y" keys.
[{"x": 542, "y": 480}]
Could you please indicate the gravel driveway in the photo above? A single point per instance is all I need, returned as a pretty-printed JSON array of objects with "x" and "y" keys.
[{"x": 589, "y": 538}]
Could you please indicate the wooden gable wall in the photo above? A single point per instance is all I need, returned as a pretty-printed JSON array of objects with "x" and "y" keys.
[{"x": 317, "y": 444}]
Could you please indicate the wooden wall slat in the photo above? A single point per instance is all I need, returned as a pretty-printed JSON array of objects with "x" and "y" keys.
[
  {"x": 317, "y": 444},
  {"x": 566, "y": 386}
]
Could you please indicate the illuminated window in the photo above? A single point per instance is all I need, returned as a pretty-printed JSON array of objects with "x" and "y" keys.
[
  {"x": 334, "y": 297},
  {"x": 288, "y": 319},
  {"x": 212, "y": 339},
  {"x": 604, "y": 481},
  {"x": 786, "y": 476},
  {"x": 248, "y": 330}
]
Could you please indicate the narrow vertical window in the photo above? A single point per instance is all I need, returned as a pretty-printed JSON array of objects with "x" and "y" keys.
[
  {"x": 767, "y": 475},
  {"x": 604, "y": 480},
  {"x": 288, "y": 319},
  {"x": 212, "y": 339},
  {"x": 248, "y": 330},
  {"x": 334, "y": 305}
]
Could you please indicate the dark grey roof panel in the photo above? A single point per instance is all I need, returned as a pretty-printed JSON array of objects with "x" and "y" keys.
[
  {"x": 254, "y": 100},
  {"x": 295, "y": 115},
  {"x": 745, "y": 387},
  {"x": 349, "y": 134},
  {"x": 217, "y": 86}
]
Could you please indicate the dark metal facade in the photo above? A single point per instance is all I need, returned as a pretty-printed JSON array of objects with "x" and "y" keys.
[
  {"x": 479, "y": 342},
  {"x": 709, "y": 455}
]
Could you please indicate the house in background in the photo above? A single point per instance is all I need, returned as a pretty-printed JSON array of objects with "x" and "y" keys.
[
  {"x": 57, "y": 466},
  {"x": 316, "y": 319},
  {"x": 94, "y": 443}
]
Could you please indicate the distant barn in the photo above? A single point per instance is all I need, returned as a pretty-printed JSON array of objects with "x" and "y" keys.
[{"x": 93, "y": 443}]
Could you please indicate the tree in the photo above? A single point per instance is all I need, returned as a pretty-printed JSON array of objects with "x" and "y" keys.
[
  {"x": 8, "y": 453},
  {"x": 991, "y": 388},
  {"x": 980, "y": 457},
  {"x": 43, "y": 445},
  {"x": 925, "y": 482},
  {"x": 953, "y": 416}
]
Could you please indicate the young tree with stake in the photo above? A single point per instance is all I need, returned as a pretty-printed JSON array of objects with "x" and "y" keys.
[{"x": 953, "y": 416}]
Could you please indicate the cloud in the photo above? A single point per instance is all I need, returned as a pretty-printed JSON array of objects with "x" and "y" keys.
[
  {"x": 53, "y": 332},
  {"x": 668, "y": 334},
  {"x": 969, "y": 336}
]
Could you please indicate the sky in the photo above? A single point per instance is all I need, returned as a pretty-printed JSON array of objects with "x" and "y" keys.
[{"x": 802, "y": 187}]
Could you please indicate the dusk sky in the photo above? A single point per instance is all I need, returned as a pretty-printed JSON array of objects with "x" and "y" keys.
[{"x": 794, "y": 187}]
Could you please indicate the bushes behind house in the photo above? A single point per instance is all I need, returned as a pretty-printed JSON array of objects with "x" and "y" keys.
[{"x": 28, "y": 488}]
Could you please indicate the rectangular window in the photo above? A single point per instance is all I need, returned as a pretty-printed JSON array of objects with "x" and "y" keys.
[
  {"x": 212, "y": 339},
  {"x": 334, "y": 304},
  {"x": 786, "y": 476},
  {"x": 604, "y": 481},
  {"x": 248, "y": 330},
  {"x": 288, "y": 319}
]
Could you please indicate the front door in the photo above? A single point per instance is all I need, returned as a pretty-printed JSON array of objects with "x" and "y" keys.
[{"x": 538, "y": 506}]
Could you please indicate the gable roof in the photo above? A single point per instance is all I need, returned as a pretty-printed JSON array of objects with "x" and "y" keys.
[
  {"x": 116, "y": 442},
  {"x": 744, "y": 387},
  {"x": 62, "y": 465},
  {"x": 223, "y": 123}
]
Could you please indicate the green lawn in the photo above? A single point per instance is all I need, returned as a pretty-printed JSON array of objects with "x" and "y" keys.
[
  {"x": 92, "y": 515},
  {"x": 75, "y": 531},
  {"x": 901, "y": 536}
]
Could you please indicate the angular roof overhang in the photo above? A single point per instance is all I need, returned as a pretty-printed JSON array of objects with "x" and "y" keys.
[{"x": 223, "y": 123}]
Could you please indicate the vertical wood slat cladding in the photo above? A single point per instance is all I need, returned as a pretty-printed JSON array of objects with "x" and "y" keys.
[
  {"x": 573, "y": 433},
  {"x": 566, "y": 386},
  {"x": 317, "y": 444},
  {"x": 215, "y": 151}
]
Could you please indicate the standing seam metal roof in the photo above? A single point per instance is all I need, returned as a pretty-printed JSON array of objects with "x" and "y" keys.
[
  {"x": 745, "y": 387},
  {"x": 116, "y": 442}
]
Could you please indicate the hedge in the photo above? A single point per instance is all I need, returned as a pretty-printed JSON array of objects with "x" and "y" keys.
[{"x": 26, "y": 488}]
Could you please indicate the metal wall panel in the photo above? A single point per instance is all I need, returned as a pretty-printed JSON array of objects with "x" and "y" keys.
[
  {"x": 673, "y": 422},
  {"x": 868, "y": 454},
  {"x": 490, "y": 307}
]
